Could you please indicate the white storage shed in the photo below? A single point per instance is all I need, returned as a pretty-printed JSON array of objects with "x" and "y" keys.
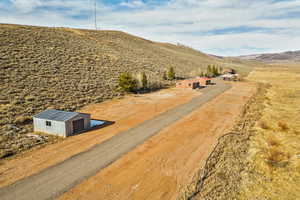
[{"x": 61, "y": 123}]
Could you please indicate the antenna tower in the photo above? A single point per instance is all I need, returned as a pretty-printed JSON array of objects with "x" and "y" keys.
[{"x": 95, "y": 13}]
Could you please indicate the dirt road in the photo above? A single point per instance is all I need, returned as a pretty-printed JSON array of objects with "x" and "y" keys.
[
  {"x": 127, "y": 112},
  {"x": 167, "y": 162},
  {"x": 60, "y": 178}
]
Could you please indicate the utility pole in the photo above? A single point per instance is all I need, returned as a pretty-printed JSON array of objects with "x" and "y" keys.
[{"x": 95, "y": 14}]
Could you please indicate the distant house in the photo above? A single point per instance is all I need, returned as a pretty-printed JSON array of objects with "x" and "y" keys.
[
  {"x": 189, "y": 83},
  {"x": 230, "y": 77},
  {"x": 61, "y": 123},
  {"x": 204, "y": 81},
  {"x": 229, "y": 71}
]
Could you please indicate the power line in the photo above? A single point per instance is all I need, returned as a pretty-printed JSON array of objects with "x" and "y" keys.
[{"x": 95, "y": 14}]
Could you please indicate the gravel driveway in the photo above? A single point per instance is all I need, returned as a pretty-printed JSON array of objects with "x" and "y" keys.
[{"x": 58, "y": 179}]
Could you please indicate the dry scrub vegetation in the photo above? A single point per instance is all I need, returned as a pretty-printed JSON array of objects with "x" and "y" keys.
[
  {"x": 274, "y": 155},
  {"x": 219, "y": 178},
  {"x": 260, "y": 158},
  {"x": 66, "y": 69}
]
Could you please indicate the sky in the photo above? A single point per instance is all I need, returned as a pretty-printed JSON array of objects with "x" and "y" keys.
[{"x": 220, "y": 27}]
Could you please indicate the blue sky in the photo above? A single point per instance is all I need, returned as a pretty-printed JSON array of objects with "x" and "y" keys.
[{"x": 221, "y": 27}]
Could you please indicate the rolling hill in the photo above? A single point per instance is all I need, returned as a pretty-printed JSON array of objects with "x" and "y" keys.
[
  {"x": 67, "y": 68},
  {"x": 285, "y": 57}
]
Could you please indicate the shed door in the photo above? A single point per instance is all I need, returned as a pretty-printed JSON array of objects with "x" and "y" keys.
[
  {"x": 195, "y": 85},
  {"x": 78, "y": 125}
]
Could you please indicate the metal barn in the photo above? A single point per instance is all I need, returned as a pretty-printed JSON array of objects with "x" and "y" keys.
[{"x": 61, "y": 123}]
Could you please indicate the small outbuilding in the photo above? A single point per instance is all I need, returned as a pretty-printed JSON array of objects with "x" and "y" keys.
[
  {"x": 230, "y": 77},
  {"x": 189, "y": 83},
  {"x": 204, "y": 81},
  {"x": 61, "y": 123}
]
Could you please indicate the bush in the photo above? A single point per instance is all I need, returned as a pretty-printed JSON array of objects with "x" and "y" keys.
[
  {"x": 276, "y": 157},
  {"x": 212, "y": 71},
  {"x": 171, "y": 74},
  {"x": 165, "y": 76},
  {"x": 29, "y": 98},
  {"x": 202, "y": 74},
  {"x": 21, "y": 120},
  {"x": 283, "y": 126},
  {"x": 264, "y": 125},
  {"x": 127, "y": 83},
  {"x": 144, "y": 81},
  {"x": 272, "y": 141}
]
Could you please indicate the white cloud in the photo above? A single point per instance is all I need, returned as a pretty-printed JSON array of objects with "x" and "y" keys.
[
  {"x": 26, "y": 5},
  {"x": 132, "y": 3},
  {"x": 198, "y": 24}
]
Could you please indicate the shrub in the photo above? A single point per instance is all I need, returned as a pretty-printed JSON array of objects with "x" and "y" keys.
[
  {"x": 275, "y": 155},
  {"x": 276, "y": 158},
  {"x": 165, "y": 76},
  {"x": 21, "y": 120},
  {"x": 283, "y": 126},
  {"x": 212, "y": 71},
  {"x": 209, "y": 71},
  {"x": 29, "y": 98},
  {"x": 272, "y": 141},
  {"x": 171, "y": 74},
  {"x": 127, "y": 83},
  {"x": 144, "y": 81},
  {"x": 201, "y": 74},
  {"x": 264, "y": 125}
]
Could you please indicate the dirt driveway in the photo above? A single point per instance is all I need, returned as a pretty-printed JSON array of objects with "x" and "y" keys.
[
  {"x": 162, "y": 166},
  {"x": 62, "y": 177},
  {"x": 127, "y": 112}
]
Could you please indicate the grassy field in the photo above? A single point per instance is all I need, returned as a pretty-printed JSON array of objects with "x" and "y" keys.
[
  {"x": 274, "y": 154},
  {"x": 260, "y": 158}
]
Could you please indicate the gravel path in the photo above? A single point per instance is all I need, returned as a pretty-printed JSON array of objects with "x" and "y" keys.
[{"x": 58, "y": 179}]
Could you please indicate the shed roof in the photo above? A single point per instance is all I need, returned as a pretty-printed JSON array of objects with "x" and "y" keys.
[
  {"x": 57, "y": 115},
  {"x": 229, "y": 75}
]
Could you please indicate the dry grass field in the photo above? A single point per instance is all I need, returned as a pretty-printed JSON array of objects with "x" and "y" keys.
[
  {"x": 259, "y": 159},
  {"x": 274, "y": 154},
  {"x": 67, "y": 69}
]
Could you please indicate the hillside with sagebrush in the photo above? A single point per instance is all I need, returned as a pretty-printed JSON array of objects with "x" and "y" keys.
[{"x": 68, "y": 68}]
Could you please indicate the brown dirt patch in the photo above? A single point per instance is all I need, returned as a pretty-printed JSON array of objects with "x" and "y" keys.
[
  {"x": 127, "y": 113},
  {"x": 163, "y": 165}
]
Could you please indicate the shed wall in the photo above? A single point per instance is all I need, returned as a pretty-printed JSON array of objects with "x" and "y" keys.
[
  {"x": 188, "y": 84},
  {"x": 56, "y": 128},
  {"x": 69, "y": 123}
]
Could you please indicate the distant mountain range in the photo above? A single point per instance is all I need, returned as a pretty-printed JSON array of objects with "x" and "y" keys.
[{"x": 289, "y": 56}]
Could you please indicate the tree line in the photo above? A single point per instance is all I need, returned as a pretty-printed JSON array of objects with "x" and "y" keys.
[
  {"x": 212, "y": 71},
  {"x": 128, "y": 83}
]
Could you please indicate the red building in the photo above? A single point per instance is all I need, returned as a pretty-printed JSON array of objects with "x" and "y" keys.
[
  {"x": 204, "y": 80},
  {"x": 189, "y": 83}
]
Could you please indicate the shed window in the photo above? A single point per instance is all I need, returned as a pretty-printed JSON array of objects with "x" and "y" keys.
[{"x": 48, "y": 123}]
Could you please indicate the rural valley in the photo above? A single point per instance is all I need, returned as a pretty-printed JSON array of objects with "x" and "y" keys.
[{"x": 177, "y": 123}]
